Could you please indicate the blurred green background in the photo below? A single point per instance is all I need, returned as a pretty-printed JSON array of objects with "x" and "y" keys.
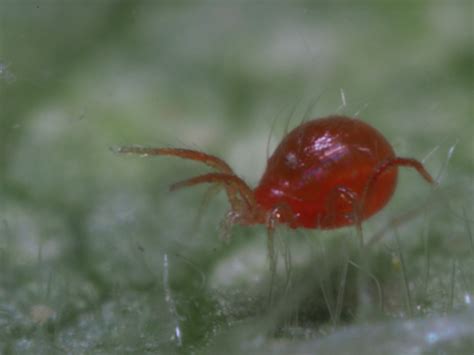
[{"x": 98, "y": 257}]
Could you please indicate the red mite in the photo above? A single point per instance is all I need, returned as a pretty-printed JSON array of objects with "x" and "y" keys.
[{"x": 326, "y": 173}]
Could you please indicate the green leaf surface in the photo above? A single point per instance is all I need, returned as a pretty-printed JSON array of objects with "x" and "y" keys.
[{"x": 97, "y": 256}]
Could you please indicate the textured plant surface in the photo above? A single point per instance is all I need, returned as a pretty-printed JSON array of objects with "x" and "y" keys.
[{"x": 96, "y": 256}]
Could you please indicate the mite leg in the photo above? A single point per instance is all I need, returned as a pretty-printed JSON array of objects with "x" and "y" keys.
[
  {"x": 348, "y": 212},
  {"x": 356, "y": 214},
  {"x": 207, "y": 159},
  {"x": 397, "y": 162},
  {"x": 281, "y": 212},
  {"x": 272, "y": 257},
  {"x": 195, "y": 155},
  {"x": 390, "y": 164},
  {"x": 233, "y": 183}
]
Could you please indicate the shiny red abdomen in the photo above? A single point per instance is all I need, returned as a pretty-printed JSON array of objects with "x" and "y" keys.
[{"x": 321, "y": 167}]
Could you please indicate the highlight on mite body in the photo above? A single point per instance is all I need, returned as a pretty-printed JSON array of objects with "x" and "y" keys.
[{"x": 326, "y": 173}]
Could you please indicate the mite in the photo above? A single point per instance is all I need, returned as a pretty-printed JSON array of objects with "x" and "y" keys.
[{"x": 326, "y": 173}]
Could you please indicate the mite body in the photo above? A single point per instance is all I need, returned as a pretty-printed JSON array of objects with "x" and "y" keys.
[{"x": 326, "y": 173}]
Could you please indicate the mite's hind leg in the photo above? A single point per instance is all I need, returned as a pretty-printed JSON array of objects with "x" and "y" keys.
[
  {"x": 394, "y": 163},
  {"x": 390, "y": 164}
]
